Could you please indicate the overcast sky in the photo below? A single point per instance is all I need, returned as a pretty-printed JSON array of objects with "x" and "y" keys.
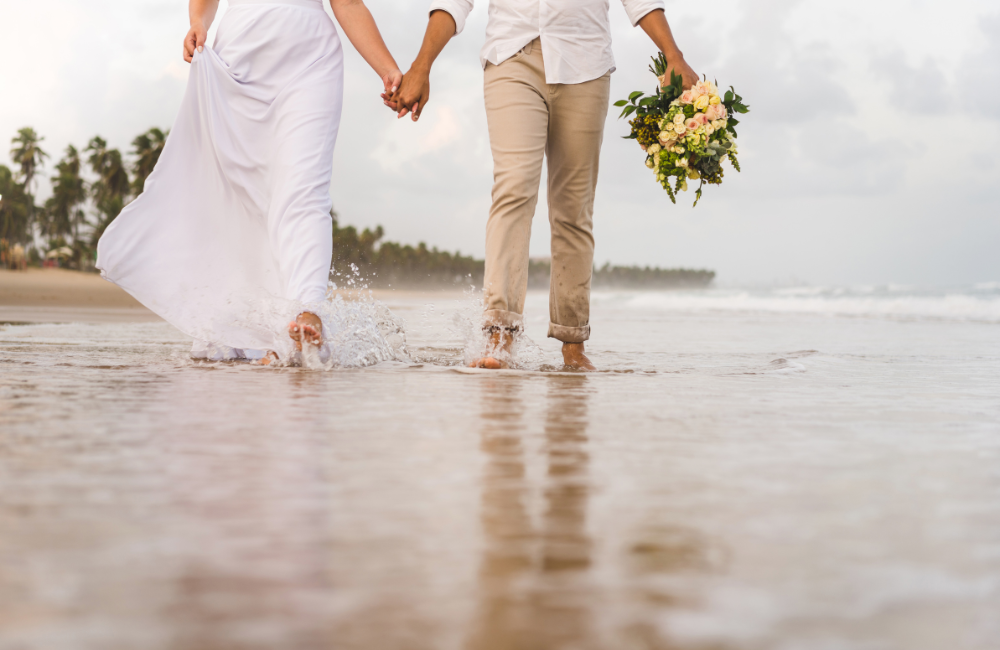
[{"x": 869, "y": 155}]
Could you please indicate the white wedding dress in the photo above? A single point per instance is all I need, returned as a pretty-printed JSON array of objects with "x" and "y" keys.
[{"x": 231, "y": 238}]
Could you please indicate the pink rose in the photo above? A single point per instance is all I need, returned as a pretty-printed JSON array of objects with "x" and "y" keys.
[
  {"x": 712, "y": 112},
  {"x": 692, "y": 124},
  {"x": 687, "y": 97},
  {"x": 702, "y": 118}
]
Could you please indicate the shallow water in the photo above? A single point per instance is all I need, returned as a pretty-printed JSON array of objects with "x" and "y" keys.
[{"x": 755, "y": 469}]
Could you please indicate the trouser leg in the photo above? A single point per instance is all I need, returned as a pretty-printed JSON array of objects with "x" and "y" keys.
[
  {"x": 576, "y": 131},
  {"x": 517, "y": 114}
]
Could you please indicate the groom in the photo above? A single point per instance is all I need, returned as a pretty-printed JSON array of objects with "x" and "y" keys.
[{"x": 548, "y": 66}]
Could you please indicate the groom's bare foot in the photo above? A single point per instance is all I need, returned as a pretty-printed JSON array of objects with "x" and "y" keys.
[
  {"x": 574, "y": 357},
  {"x": 501, "y": 340},
  {"x": 307, "y": 328}
]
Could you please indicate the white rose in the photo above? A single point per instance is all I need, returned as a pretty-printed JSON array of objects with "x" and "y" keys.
[
  {"x": 709, "y": 129},
  {"x": 701, "y": 103},
  {"x": 653, "y": 149},
  {"x": 683, "y": 162},
  {"x": 678, "y": 150},
  {"x": 679, "y": 119},
  {"x": 718, "y": 124},
  {"x": 649, "y": 163}
]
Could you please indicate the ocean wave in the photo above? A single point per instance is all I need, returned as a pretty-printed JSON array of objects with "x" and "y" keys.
[{"x": 856, "y": 302}]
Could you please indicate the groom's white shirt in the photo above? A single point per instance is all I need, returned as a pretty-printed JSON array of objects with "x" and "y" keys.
[{"x": 576, "y": 34}]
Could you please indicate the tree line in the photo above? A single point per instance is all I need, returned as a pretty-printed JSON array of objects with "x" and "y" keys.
[
  {"x": 89, "y": 188},
  {"x": 363, "y": 258}
]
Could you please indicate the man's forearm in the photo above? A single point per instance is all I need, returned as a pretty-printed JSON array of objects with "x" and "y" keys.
[
  {"x": 656, "y": 26},
  {"x": 440, "y": 29}
]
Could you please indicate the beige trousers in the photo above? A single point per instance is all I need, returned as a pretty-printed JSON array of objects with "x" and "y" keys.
[{"x": 529, "y": 120}]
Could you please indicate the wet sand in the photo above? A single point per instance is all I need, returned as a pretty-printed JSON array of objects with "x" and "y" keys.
[{"x": 735, "y": 480}]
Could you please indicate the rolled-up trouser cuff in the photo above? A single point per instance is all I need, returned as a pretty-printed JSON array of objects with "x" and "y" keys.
[
  {"x": 569, "y": 334},
  {"x": 502, "y": 318}
]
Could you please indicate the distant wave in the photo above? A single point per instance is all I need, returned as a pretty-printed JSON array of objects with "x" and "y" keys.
[{"x": 978, "y": 303}]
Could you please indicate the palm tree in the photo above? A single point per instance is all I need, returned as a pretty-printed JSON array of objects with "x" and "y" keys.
[
  {"x": 111, "y": 189},
  {"x": 14, "y": 214},
  {"x": 64, "y": 211},
  {"x": 26, "y": 153},
  {"x": 147, "y": 149}
]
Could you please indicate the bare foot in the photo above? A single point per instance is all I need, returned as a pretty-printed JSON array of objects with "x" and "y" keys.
[
  {"x": 574, "y": 357},
  {"x": 307, "y": 328},
  {"x": 267, "y": 359},
  {"x": 501, "y": 340}
]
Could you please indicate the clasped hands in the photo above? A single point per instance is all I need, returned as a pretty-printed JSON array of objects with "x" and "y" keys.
[{"x": 407, "y": 94}]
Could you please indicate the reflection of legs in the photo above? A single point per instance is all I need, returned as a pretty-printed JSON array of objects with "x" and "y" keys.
[
  {"x": 525, "y": 605},
  {"x": 506, "y": 524},
  {"x": 567, "y": 546}
]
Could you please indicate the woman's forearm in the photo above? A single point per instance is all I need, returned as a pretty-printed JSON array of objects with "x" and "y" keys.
[
  {"x": 202, "y": 12},
  {"x": 359, "y": 25}
]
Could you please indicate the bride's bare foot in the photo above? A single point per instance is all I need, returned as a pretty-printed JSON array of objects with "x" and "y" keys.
[
  {"x": 501, "y": 340},
  {"x": 307, "y": 328},
  {"x": 267, "y": 359},
  {"x": 574, "y": 357}
]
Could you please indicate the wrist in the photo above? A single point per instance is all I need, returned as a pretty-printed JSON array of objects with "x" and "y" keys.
[
  {"x": 673, "y": 55},
  {"x": 421, "y": 66}
]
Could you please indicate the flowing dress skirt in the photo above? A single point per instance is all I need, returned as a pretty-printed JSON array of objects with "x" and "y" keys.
[{"x": 232, "y": 236}]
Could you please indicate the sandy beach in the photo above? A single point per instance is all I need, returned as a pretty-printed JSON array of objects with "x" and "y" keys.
[
  {"x": 61, "y": 295},
  {"x": 65, "y": 296}
]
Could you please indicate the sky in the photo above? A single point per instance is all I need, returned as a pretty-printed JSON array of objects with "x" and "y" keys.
[{"x": 868, "y": 157}]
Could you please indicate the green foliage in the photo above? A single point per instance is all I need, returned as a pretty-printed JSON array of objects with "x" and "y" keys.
[
  {"x": 15, "y": 210},
  {"x": 64, "y": 212},
  {"x": 627, "y": 277},
  {"x": 146, "y": 150},
  {"x": 28, "y": 155},
  {"x": 365, "y": 258},
  {"x": 111, "y": 190}
]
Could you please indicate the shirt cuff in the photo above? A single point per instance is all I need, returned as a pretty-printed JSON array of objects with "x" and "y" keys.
[
  {"x": 458, "y": 9},
  {"x": 637, "y": 9}
]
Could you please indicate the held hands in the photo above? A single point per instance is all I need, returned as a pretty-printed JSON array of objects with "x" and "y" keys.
[
  {"x": 195, "y": 40},
  {"x": 411, "y": 95}
]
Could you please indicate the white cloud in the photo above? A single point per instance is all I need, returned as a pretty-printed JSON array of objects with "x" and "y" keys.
[{"x": 848, "y": 173}]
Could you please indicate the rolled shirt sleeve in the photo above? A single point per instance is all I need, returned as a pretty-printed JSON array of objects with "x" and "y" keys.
[
  {"x": 635, "y": 9},
  {"x": 459, "y": 10}
]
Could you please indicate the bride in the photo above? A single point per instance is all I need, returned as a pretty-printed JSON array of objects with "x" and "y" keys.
[{"x": 232, "y": 236}]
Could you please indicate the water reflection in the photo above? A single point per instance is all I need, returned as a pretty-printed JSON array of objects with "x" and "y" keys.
[
  {"x": 532, "y": 579},
  {"x": 252, "y": 568}
]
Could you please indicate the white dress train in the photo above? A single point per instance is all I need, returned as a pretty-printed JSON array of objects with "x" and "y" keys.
[{"x": 232, "y": 236}]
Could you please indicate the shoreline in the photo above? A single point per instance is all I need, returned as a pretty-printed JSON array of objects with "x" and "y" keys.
[{"x": 67, "y": 296}]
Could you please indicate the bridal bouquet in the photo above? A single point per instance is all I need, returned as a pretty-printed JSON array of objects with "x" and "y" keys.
[{"x": 686, "y": 134}]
